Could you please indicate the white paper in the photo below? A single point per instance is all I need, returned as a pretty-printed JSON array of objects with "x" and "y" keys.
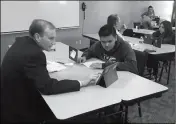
[
  {"x": 54, "y": 66},
  {"x": 88, "y": 63},
  {"x": 69, "y": 64},
  {"x": 73, "y": 54}
]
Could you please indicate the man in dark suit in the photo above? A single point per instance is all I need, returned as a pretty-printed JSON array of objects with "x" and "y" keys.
[{"x": 23, "y": 73}]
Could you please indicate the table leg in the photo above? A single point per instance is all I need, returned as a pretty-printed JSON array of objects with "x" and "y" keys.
[
  {"x": 161, "y": 72},
  {"x": 139, "y": 109},
  {"x": 168, "y": 72},
  {"x": 126, "y": 114}
]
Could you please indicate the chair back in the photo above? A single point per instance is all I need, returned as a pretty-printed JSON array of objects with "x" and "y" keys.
[
  {"x": 128, "y": 32},
  {"x": 141, "y": 58}
]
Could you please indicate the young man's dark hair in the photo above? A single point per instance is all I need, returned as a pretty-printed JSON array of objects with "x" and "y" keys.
[
  {"x": 150, "y": 7},
  {"x": 107, "y": 30}
]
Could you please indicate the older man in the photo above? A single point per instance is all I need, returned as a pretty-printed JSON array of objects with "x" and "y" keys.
[{"x": 23, "y": 73}]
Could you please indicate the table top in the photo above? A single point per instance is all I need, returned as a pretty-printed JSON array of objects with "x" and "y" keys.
[
  {"x": 128, "y": 87},
  {"x": 136, "y": 45},
  {"x": 143, "y": 31}
]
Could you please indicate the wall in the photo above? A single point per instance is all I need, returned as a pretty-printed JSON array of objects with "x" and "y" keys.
[
  {"x": 129, "y": 12},
  {"x": 58, "y": 13},
  {"x": 96, "y": 15},
  {"x": 70, "y": 37}
]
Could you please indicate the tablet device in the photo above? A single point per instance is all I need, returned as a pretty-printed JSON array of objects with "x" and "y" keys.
[
  {"x": 108, "y": 76},
  {"x": 73, "y": 53}
]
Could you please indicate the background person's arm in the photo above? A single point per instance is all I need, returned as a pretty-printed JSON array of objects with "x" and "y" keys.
[{"x": 145, "y": 13}]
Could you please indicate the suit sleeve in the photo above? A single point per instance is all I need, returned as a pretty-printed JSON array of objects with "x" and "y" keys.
[{"x": 35, "y": 70}]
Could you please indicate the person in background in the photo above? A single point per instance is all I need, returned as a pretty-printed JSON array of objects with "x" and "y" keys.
[
  {"x": 150, "y": 13},
  {"x": 24, "y": 73},
  {"x": 114, "y": 20},
  {"x": 147, "y": 17},
  {"x": 111, "y": 49},
  {"x": 164, "y": 35}
]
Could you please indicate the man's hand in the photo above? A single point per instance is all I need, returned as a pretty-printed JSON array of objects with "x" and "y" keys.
[
  {"x": 81, "y": 60},
  {"x": 92, "y": 79},
  {"x": 96, "y": 65}
]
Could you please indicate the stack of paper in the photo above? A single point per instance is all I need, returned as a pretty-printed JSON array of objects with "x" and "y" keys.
[
  {"x": 89, "y": 63},
  {"x": 54, "y": 67}
]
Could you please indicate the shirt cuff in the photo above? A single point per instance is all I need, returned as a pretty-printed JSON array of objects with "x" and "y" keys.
[{"x": 80, "y": 82}]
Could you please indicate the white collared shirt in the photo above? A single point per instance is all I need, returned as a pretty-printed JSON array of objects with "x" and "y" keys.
[{"x": 119, "y": 34}]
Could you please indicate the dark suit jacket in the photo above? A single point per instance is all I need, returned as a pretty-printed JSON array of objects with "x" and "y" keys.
[{"x": 23, "y": 73}]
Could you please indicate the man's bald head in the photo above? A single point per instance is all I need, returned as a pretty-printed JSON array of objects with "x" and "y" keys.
[{"x": 39, "y": 26}]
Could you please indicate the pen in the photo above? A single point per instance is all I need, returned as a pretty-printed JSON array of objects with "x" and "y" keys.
[{"x": 60, "y": 62}]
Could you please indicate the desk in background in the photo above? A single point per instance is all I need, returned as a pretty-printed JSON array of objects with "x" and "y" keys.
[
  {"x": 134, "y": 42},
  {"x": 128, "y": 87},
  {"x": 143, "y": 31}
]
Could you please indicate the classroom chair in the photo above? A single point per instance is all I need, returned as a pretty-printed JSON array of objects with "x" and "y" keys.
[
  {"x": 141, "y": 58},
  {"x": 128, "y": 32},
  {"x": 166, "y": 64}
]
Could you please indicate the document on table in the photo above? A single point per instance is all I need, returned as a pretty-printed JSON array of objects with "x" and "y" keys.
[
  {"x": 54, "y": 66},
  {"x": 88, "y": 63}
]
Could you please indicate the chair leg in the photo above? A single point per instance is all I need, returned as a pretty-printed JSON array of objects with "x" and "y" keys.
[
  {"x": 126, "y": 114},
  {"x": 161, "y": 72},
  {"x": 150, "y": 73},
  {"x": 166, "y": 66},
  {"x": 168, "y": 72},
  {"x": 139, "y": 109},
  {"x": 156, "y": 77}
]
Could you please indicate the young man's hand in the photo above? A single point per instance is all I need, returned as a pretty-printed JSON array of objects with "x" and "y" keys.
[
  {"x": 81, "y": 60},
  {"x": 96, "y": 65},
  {"x": 92, "y": 79}
]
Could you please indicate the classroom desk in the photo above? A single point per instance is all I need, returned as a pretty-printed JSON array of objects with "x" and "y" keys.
[
  {"x": 128, "y": 87},
  {"x": 157, "y": 27},
  {"x": 134, "y": 42},
  {"x": 143, "y": 31}
]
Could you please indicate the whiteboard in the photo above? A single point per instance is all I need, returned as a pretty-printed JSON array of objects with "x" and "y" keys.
[{"x": 18, "y": 15}]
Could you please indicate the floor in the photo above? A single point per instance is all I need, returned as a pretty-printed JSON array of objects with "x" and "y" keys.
[{"x": 157, "y": 110}]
